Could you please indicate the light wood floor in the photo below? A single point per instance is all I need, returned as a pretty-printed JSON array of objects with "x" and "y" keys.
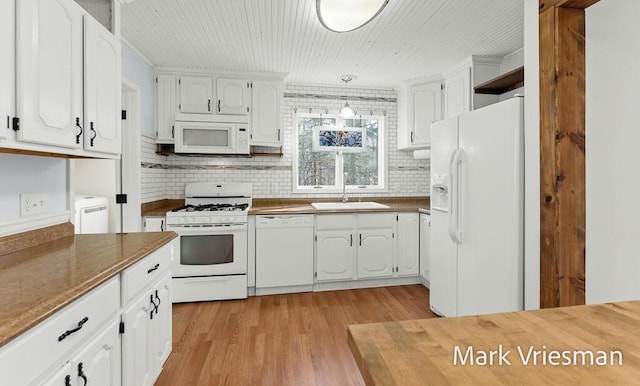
[{"x": 294, "y": 339}]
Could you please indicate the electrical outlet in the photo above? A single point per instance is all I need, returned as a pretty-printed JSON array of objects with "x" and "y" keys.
[{"x": 33, "y": 203}]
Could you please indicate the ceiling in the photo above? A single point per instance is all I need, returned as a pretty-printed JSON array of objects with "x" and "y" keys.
[{"x": 409, "y": 39}]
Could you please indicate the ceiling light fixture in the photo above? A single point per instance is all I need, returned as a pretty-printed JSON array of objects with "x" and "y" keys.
[
  {"x": 348, "y": 15},
  {"x": 346, "y": 111}
]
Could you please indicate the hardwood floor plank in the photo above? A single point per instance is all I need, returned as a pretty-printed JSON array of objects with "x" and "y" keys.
[{"x": 293, "y": 339}]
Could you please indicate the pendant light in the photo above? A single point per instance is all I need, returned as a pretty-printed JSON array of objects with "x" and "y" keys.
[
  {"x": 346, "y": 111},
  {"x": 348, "y": 15}
]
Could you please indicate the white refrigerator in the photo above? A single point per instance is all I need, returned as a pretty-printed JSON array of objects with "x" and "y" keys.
[{"x": 477, "y": 198}]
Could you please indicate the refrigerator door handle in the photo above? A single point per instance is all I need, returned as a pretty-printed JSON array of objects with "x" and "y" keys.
[{"x": 454, "y": 161}]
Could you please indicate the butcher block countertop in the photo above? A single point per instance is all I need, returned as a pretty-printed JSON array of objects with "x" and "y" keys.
[
  {"x": 38, "y": 280},
  {"x": 529, "y": 347}
]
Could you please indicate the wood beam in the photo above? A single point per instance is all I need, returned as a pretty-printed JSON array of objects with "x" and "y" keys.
[
  {"x": 562, "y": 157},
  {"x": 545, "y": 5}
]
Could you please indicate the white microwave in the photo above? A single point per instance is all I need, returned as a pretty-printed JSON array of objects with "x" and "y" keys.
[{"x": 211, "y": 137}]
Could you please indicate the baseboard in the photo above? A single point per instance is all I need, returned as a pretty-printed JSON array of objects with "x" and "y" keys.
[
  {"x": 368, "y": 283},
  {"x": 283, "y": 290},
  {"x": 425, "y": 282},
  {"x": 24, "y": 224}
]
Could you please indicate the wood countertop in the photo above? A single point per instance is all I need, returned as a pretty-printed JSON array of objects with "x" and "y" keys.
[
  {"x": 422, "y": 352},
  {"x": 37, "y": 281},
  {"x": 303, "y": 206},
  {"x": 274, "y": 206}
]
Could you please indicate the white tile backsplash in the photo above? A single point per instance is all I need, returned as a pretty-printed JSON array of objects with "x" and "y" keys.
[{"x": 166, "y": 176}]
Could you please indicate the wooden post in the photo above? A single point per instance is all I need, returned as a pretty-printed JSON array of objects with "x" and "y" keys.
[{"x": 562, "y": 152}]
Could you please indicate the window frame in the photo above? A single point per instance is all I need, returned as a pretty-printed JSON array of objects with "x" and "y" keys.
[{"x": 381, "y": 187}]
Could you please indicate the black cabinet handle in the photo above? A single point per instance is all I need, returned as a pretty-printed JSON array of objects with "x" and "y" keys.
[
  {"x": 360, "y": 239},
  {"x": 93, "y": 133},
  {"x": 158, "y": 306},
  {"x": 154, "y": 268},
  {"x": 173, "y": 131},
  {"x": 351, "y": 240},
  {"x": 81, "y": 374},
  {"x": 218, "y": 105},
  {"x": 161, "y": 225},
  {"x": 67, "y": 380},
  {"x": 69, "y": 332},
  {"x": 155, "y": 307},
  {"x": 412, "y": 137},
  {"x": 79, "y": 127},
  {"x": 209, "y": 105}
]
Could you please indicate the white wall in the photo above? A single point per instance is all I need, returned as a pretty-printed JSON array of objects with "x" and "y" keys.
[
  {"x": 138, "y": 70},
  {"x": 531, "y": 157},
  {"x": 31, "y": 174},
  {"x": 613, "y": 158}
]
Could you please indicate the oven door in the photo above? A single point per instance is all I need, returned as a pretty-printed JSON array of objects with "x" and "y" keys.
[{"x": 210, "y": 250}]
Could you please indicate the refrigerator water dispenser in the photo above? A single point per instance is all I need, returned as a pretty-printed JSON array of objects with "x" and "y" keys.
[{"x": 440, "y": 192}]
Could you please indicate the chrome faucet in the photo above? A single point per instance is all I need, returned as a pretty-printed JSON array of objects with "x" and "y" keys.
[{"x": 344, "y": 187}]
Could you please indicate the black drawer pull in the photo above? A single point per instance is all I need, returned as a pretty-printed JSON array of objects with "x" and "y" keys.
[
  {"x": 69, "y": 332},
  {"x": 81, "y": 374},
  {"x": 154, "y": 268}
]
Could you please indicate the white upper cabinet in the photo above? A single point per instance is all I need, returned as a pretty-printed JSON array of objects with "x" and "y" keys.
[
  {"x": 102, "y": 117},
  {"x": 49, "y": 72},
  {"x": 419, "y": 105},
  {"x": 196, "y": 94},
  {"x": 166, "y": 107},
  {"x": 459, "y": 95},
  {"x": 457, "y": 92},
  {"x": 7, "y": 71},
  {"x": 266, "y": 113},
  {"x": 233, "y": 96}
]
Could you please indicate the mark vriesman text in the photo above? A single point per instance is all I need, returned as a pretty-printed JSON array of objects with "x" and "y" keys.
[{"x": 535, "y": 356}]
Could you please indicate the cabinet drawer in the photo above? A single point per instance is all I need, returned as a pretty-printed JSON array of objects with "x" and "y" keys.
[
  {"x": 335, "y": 221},
  {"x": 376, "y": 220},
  {"x": 45, "y": 345},
  {"x": 144, "y": 273}
]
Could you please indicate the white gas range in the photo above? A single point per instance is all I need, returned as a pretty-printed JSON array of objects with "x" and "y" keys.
[{"x": 212, "y": 230}]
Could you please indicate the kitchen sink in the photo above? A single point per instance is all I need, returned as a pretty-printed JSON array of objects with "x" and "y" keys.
[{"x": 347, "y": 205}]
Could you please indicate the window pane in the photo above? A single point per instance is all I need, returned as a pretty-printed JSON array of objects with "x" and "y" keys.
[
  {"x": 314, "y": 168},
  {"x": 363, "y": 167}
]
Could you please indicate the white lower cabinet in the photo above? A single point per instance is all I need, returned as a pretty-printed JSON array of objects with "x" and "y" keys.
[
  {"x": 425, "y": 229},
  {"x": 117, "y": 334},
  {"x": 98, "y": 364},
  {"x": 153, "y": 224},
  {"x": 408, "y": 244},
  {"x": 366, "y": 246},
  {"x": 376, "y": 252},
  {"x": 146, "y": 317}
]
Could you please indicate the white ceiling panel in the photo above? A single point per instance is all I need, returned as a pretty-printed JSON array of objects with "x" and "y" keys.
[{"x": 409, "y": 39}]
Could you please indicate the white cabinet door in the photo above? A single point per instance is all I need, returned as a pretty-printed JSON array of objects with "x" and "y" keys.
[
  {"x": 233, "y": 96},
  {"x": 166, "y": 107},
  {"x": 100, "y": 362},
  {"x": 7, "y": 70},
  {"x": 375, "y": 253},
  {"x": 266, "y": 113},
  {"x": 425, "y": 226},
  {"x": 102, "y": 89},
  {"x": 457, "y": 93},
  {"x": 137, "y": 343},
  {"x": 153, "y": 224},
  {"x": 335, "y": 255},
  {"x": 162, "y": 323},
  {"x": 49, "y": 72},
  {"x": 196, "y": 94},
  {"x": 425, "y": 106},
  {"x": 408, "y": 244}
]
